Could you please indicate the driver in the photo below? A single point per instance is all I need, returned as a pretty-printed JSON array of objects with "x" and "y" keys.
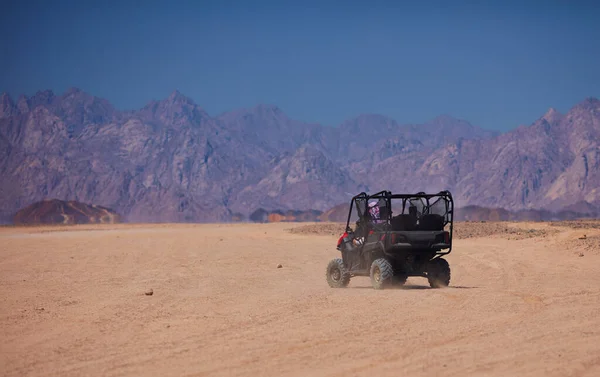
[{"x": 374, "y": 212}]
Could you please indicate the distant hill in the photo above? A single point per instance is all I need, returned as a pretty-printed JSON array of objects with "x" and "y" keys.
[
  {"x": 580, "y": 210},
  {"x": 60, "y": 212},
  {"x": 171, "y": 161},
  {"x": 476, "y": 213},
  {"x": 263, "y": 216}
]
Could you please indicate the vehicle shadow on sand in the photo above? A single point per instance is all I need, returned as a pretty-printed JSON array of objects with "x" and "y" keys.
[{"x": 413, "y": 287}]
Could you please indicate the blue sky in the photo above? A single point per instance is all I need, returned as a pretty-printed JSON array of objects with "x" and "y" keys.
[{"x": 497, "y": 65}]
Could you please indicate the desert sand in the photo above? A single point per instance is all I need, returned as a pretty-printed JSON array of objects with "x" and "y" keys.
[{"x": 524, "y": 300}]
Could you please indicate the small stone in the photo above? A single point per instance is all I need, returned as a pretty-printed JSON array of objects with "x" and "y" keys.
[
  {"x": 39, "y": 309},
  {"x": 279, "y": 266},
  {"x": 583, "y": 237},
  {"x": 168, "y": 326},
  {"x": 149, "y": 292},
  {"x": 581, "y": 254}
]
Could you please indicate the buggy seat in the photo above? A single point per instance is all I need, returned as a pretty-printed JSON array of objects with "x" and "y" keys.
[{"x": 405, "y": 222}]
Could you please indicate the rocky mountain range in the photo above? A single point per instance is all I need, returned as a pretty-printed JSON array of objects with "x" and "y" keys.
[{"x": 172, "y": 161}]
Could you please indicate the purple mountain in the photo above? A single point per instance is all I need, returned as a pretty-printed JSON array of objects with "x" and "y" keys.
[{"x": 171, "y": 161}]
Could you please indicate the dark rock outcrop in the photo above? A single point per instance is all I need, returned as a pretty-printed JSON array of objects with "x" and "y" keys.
[{"x": 54, "y": 211}]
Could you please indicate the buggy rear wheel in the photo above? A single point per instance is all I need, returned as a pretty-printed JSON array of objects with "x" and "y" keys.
[
  {"x": 382, "y": 273},
  {"x": 337, "y": 274},
  {"x": 438, "y": 273}
]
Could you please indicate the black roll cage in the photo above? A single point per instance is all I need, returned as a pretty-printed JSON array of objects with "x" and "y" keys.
[{"x": 387, "y": 196}]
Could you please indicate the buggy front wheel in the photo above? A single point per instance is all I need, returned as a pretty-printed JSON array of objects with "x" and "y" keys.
[{"x": 337, "y": 274}]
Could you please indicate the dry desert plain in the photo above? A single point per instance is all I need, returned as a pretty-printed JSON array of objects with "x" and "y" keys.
[{"x": 524, "y": 300}]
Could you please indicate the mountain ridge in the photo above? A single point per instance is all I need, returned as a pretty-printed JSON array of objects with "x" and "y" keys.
[{"x": 172, "y": 161}]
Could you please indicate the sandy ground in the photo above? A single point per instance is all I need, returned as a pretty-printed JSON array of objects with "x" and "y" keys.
[{"x": 524, "y": 301}]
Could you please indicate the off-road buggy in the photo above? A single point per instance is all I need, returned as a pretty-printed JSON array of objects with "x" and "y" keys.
[{"x": 396, "y": 236}]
